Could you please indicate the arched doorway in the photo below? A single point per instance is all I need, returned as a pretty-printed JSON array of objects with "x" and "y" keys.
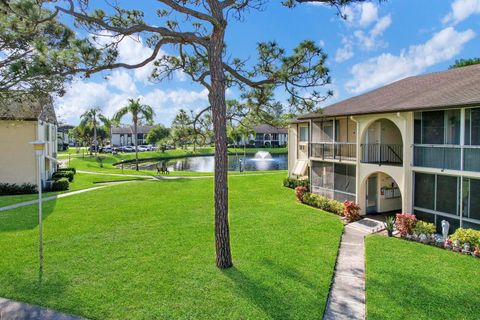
[
  {"x": 382, "y": 143},
  {"x": 382, "y": 194}
]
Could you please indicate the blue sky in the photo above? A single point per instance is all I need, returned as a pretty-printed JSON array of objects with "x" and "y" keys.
[{"x": 378, "y": 44}]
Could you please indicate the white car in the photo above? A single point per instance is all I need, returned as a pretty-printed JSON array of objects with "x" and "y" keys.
[{"x": 143, "y": 148}]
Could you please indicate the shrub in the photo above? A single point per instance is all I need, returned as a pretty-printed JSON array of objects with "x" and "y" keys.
[
  {"x": 293, "y": 183},
  {"x": 13, "y": 188},
  {"x": 351, "y": 211},
  {"x": 68, "y": 169},
  {"x": 323, "y": 203},
  {"x": 467, "y": 235},
  {"x": 63, "y": 174},
  {"x": 405, "y": 222},
  {"x": 422, "y": 227},
  {"x": 60, "y": 184},
  {"x": 300, "y": 192}
]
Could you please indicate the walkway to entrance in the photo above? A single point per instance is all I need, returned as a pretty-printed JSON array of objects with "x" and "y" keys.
[{"x": 347, "y": 295}]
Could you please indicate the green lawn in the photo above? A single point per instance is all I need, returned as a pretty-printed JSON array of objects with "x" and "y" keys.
[
  {"x": 145, "y": 250},
  {"x": 81, "y": 181},
  {"x": 407, "y": 280}
]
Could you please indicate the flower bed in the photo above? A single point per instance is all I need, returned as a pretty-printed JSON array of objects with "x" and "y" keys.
[{"x": 466, "y": 241}]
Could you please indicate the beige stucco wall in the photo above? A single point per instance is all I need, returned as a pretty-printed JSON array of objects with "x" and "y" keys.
[
  {"x": 17, "y": 163},
  {"x": 292, "y": 147}
]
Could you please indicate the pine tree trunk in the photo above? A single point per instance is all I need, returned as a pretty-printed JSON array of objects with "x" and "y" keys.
[
  {"x": 217, "y": 101},
  {"x": 136, "y": 143},
  {"x": 95, "y": 137}
]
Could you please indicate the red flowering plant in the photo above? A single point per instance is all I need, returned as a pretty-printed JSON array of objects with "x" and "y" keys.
[
  {"x": 300, "y": 191},
  {"x": 351, "y": 211},
  {"x": 405, "y": 222}
]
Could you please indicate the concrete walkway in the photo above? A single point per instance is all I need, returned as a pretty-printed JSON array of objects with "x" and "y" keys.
[
  {"x": 12, "y": 310},
  {"x": 347, "y": 294}
]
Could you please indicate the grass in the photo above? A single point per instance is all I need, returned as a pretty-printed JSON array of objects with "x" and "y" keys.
[
  {"x": 407, "y": 280},
  {"x": 146, "y": 251},
  {"x": 81, "y": 181}
]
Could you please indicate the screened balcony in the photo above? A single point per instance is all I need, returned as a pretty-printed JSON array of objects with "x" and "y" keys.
[
  {"x": 440, "y": 144},
  {"x": 334, "y": 139}
]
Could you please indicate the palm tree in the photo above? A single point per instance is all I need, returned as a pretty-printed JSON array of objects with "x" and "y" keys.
[
  {"x": 91, "y": 118},
  {"x": 138, "y": 111}
]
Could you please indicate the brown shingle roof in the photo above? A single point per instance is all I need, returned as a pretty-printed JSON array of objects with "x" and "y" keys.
[
  {"x": 451, "y": 88},
  {"x": 266, "y": 128},
  {"x": 27, "y": 107}
]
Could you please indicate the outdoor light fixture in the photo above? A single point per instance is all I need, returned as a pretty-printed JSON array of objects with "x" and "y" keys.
[{"x": 39, "y": 147}]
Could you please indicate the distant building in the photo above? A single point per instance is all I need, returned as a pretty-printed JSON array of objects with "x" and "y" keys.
[
  {"x": 24, "y": 119},
  {"x": 123, "y": 136},
  {"x": 266, "y": 135},
  {"x": 64, "y": 140}
]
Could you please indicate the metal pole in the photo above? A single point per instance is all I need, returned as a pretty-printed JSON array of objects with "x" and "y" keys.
[{"x": 40, "y": 231}]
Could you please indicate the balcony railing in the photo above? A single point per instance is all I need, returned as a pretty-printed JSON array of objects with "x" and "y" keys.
[
  {"x": 453, "y": 157},
  {"x": 334, "y": 150},
  {"x": 391, "y": 154}
]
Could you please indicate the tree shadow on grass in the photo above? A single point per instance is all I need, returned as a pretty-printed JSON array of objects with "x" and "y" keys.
[
  {"x": 25, "y": 218},
  {"x": 276, "y": 299}
]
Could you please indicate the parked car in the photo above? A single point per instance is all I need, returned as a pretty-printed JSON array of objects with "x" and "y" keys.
[
  {"x": 128, "y": 149},
  {"x": 143, "y": 148}
]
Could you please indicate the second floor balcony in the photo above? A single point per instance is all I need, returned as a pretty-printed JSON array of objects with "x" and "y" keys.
[
  {"x": 334, "y": 151},
  {"x": 450, "y": 157},
  {"x": 388, "y": 154}
]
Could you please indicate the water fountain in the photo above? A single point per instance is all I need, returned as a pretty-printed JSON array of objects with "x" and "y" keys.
[{"x": 263, "y": 155}]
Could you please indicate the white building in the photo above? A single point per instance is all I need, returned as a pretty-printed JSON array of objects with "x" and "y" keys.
[
  {"x": 411, "y": 146},
  {"x": 24, "y": 119},
  {"x": 124, "y": 136},
  {"x": 266, "y": 135}
]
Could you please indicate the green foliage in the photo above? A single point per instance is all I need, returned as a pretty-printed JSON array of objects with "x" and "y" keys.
[
  {"x": 182, "y": 128},
  {"x": 63, "y": 174},
  {"x": 324, "y": 203},
  {"x": 61, "y": 184},
  {"x": 467, "y": 235},
  {"x": 422, "y": 227},
  {"x": 157, "y": 134},
  {"x": 293, "y": 183},
  {"x": 464, "y": 62},
  {"x": 390, "y": 223},
  {"x": 68, "y": 169},
  {"x": 13, "y": 188}
]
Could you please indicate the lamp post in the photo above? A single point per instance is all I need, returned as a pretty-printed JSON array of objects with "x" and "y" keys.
[{"x": 39, "y": 147}]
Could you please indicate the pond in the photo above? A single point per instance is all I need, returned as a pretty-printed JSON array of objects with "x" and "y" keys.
[{"x": 262, "y": 160}]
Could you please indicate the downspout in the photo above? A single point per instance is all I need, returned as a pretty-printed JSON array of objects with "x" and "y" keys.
[{"x": 357, "y": 158}]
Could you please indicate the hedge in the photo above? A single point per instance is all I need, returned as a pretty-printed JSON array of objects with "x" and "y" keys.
[
  {"x": 68, "y": 169},
  {"x": 293, "y": 183},
  {"x": 61, "y": 184},
  {"x": 323, "y": 203},
  {"x": 13, "y": 188},
  {"x": 63, "y": 174}
]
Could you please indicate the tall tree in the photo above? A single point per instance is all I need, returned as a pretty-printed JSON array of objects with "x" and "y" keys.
[
  {"x": 37, "y": 50},
  {"x": 194, "y": 31},
  {"x": 138, "y": 112},
  {"x": 157, "y": 134},
  {"x": 464, "y": 62},
  {"x": 182, "y": 128},
  {"x": 92, "y": 117}
]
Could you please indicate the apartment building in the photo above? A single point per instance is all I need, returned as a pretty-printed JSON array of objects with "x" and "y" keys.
[{"x": 411, "y": 146}]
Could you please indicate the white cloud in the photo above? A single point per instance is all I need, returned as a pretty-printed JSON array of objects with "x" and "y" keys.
[
  {"x": 346, "y": 52},
  {"x": 461, "y": 10},
  {"x": 82, "y": 95},
  {"x": 369, "y": 40},
  {"x": 369, "y": 13},
  {"x": 387, "y": 68},
  {"x": 121, "y": 80}
]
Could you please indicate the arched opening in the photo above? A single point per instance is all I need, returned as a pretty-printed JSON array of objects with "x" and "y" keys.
[
  {"x": 267, "y": 137},
  {"x": 382, "y": 194},
  {"x": 382, "y": 143}
]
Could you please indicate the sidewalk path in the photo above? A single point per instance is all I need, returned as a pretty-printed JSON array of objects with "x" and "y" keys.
[
  {"x": 12, "y": 310},
  {"x": 347, "y": 294}
]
